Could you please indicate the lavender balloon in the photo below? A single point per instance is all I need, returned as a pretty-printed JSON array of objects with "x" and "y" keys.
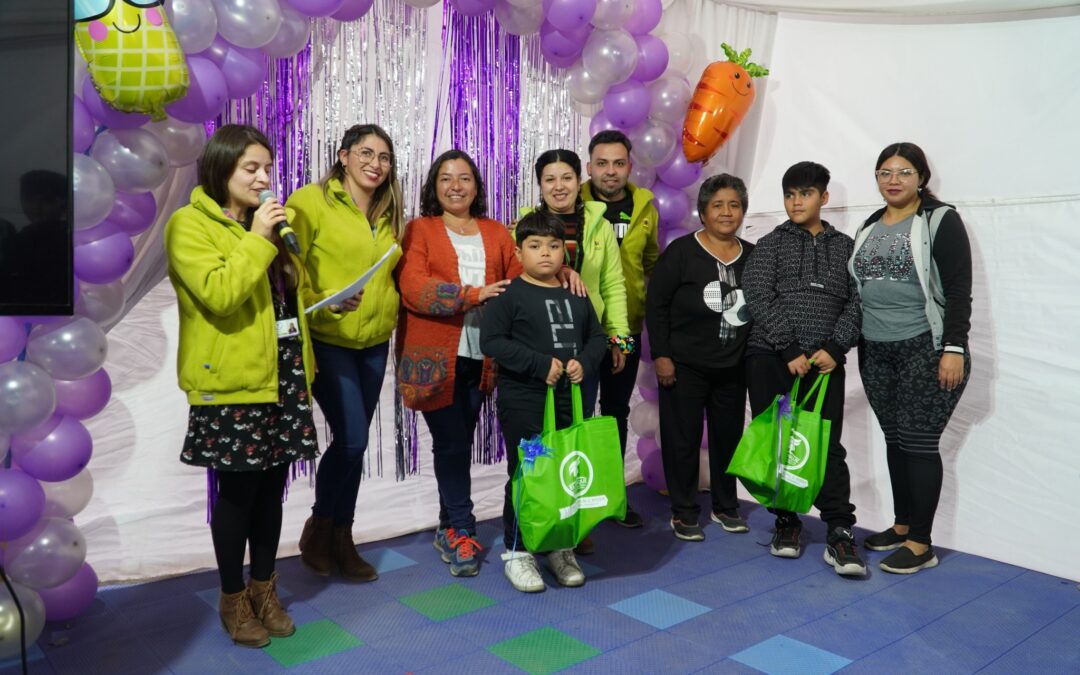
[
  {"x": 472, "y": 7},
  {"x": 670, "y": 234},
  {"x": 134, "y": 212},
  {"x": 248, "y": 23},
  {"x": 93, "y": 191},
  {"x": 12, "y": 338},
  {"x": 671, "y": 203},
  {"x": 55, "y": 450},
  {"x": 678, "y": 172},
  {"x": 610, "y": 55},
  {"x": 82, "y": 126},
  {"x": 646, "y": 447},
  {"x": 85, "y": 397},
  {"x": 103, "y": 229},
  {"x": 135, "y": 158},
  {"x": 27, "y": 396},
  {"x": 569, "y": 15},
  {"x": 104, "y": 260},
  {"x": 315, "y": 7},
  {"x": 351, "y": 10},
  {"x": 653, "y": 141},
  {"x": 644, "y": 17},
  {"x": 555, "y": 44},
  {"x": 46, "y": 556},
  {"x": 244, "y": 71},
  {"x": 101, "y": 303},
  {"x": 627, "y": 104},
  {"x": 652, "y": 471},
  {"x": 291, "y": 37},
  {"x": 194, "y": 22},
  {"x": 599, "y": 123},
  {"x": 71, "y": 598},
  {"x": 652, "y": 58},
  {"x": 11, "y": 627},
  {"x": 105, "y": 113},
  {"x": 183, "y": 143},
  {"x": 68, "y": 350},
  {"x": 22, "y": 501},
  {"x": 206, "y": 94}
]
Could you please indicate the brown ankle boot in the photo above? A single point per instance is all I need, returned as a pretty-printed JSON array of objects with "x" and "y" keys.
[
  {"x": 350, "y": 563},
  {"x": 268, "y": 609},
  {"x": 305, "y": 534},
  {"x": 238, "y": 619},
  {"x": 316, "y": 553}
]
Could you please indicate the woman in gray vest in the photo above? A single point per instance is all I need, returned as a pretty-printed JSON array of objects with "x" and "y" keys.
[{"x": 912, "y": 265}]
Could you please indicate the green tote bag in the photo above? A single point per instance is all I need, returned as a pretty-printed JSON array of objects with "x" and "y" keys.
[
  {"x": 781, "y": 456},
  {"x": 568, "y": 480}
]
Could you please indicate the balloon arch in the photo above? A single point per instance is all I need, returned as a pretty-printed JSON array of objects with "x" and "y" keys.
[{"x": 51, "y": 374}]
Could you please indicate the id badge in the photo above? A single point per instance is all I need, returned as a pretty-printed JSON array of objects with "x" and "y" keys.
[{"x": 288, "y": 328}]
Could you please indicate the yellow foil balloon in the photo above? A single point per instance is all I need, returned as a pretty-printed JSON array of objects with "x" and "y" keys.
[{"x": 134, "y": 58}]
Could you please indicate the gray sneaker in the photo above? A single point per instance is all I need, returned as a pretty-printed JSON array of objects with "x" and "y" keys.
[
  {"x": 565, "y": 567},
  {"x": 733, "y": 523}
]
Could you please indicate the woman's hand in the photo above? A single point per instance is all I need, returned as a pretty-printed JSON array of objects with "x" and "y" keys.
[
  {"x": 269, "y": 214},
  {"x": 348, "y": 304},
  {"x": 492, "y": 290},
  {"x": 824, "y": 361},
  {"x": 572, "y": 280},
  {"x": 665, "y": 371},
  {"x": 950, "y": 371},
  {"x": 618, "y": 360},
  {"x": 799, "y": 366}
]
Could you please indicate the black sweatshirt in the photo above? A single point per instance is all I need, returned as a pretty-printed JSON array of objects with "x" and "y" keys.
[
  {"x": 800, "y": 294},
  {"x": 527, "y": 325},
  {"x": 692, "y": 308}
]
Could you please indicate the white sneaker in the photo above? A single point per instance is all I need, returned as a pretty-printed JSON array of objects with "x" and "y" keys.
[
  {"x": 564, "y": 566},
  {"x": 521, "y": 570}
]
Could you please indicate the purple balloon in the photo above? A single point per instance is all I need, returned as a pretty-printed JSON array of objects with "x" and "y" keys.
[
  {"x": 244, "y": 71},
  {"x": 316, "y": 7},
  {"x": 646, "y": 447},
  {"x": 134, "y": 211},
  {"x": 216, "y": 51},
  {"x": 569, "y": 15},
  {"x": 100, "y": 231},
  {"x": 652, "y": 58},
  {"x": 670, "y": 234},
  {"x": 12, "y": 338},
  {"x": 561, "y": 61},
  {"x": 556, "y": 44},
  {"x": 83, "y": 398},
  {"x": 105, "y": 113},
  {"x": 206, "y": 94},
  {"x": 671, "y": 203},
  {"x": 651, "y": 394},
  {"x": 627, "y": 104},
  {"x": 22, "y": 501},
  {"x": 104, "y": 260},
  {"x": 652, "y": 471},
  {"x": 678, "y": 172},
  {"x": 599, "y": 123},
  {"x": 645, "y": 17},
  {"x": 53, "y": 451},
  {"x": 352, "y": 10},
  {"x": 473, "y": 7},
  {"x": 82, "y": 126},
  {"x": 71, "y": 598}
]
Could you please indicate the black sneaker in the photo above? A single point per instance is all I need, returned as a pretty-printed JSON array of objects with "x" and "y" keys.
[
  {"x": 840, "y": 552},
  {"x": 785, "y": 541},
  {"x": 906, "y": 561},
  {"x": 730, "y": 523},
  {"x": 687, "y": 531},
  {"x": 885, "y": 541},
  {"x": 632, "y": 519}
]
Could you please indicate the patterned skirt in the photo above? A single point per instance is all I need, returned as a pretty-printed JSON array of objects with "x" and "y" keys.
[{"x": 256, "y": 436}]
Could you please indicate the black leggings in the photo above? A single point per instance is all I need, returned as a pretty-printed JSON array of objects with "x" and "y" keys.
[
  {"x": 248, "y": 510},
  {"x": 901, "y": 382}
]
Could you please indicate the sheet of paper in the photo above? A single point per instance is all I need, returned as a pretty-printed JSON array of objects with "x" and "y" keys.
[{"x": 353, "y": 288}]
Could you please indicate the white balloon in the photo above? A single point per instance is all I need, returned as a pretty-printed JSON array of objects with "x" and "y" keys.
[
  {"x": 195, "y": 23},
  {"x": 584, "y": 87},
  {"x": 610, "y": 55},
  {"x": 248, "y": 23},
  {"x": 68, "y": 350},
  {"x": 80, "y": 71},
  {"x": 653, "y": 141},
  {"x": 669, "y": 97},
  {"x": 291, "y": 37},
  {"x": 68, "y": 497},
  {"x": 680, "y": 53},
  {"x": 33, "y": 609},
  {"x": 520, "y": 19},
  {"x": 93, "y": 190},
  {"x": 102, "y": 303},
  {"x": 612, "y": 14},
  {"x": 645, "y": 420},
  {"x": 27, "y": 396},
  {"x": 135, "y": 158},
  {"x": 48, "y": 555},
  {"x": 183, "y": 141}
]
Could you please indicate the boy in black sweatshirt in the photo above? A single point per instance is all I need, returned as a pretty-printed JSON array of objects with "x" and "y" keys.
[
  {"x": 537, "y": 332},
  {"x": 806, "y": 318}
]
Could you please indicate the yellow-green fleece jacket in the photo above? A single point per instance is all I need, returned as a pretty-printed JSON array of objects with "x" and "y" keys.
[
  {"x": 639, "y": 250},
  {"x": 337, "y": 244},
  {"x": 228, "y": 349}
]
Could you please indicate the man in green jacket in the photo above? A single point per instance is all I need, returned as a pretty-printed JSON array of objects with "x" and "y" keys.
[{"x": 631, "y": 213}]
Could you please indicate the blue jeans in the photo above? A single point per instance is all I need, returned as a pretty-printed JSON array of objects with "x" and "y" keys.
[
  {"x": 452, "y": 428},
  {"x": 347, "y": 389}
]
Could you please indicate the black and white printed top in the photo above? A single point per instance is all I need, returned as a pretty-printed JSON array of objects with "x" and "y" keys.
[{"x": 695, "y": 309}]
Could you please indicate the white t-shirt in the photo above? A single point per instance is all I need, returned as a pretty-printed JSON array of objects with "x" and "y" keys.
[{"x": 472, "y": 264}]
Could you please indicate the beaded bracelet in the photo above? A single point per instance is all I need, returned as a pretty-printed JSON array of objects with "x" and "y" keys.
[{"x": 626, "y": 344}]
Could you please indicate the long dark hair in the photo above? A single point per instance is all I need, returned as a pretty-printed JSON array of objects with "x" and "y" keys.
[
  {"x": 429, "y": 198},
  {"x": 917, "y": 157},
  {"x": 387, "y": 198},
  {"x": 568, "y": 157}
]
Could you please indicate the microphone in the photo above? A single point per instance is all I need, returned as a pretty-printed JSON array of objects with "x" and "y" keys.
[{"x": 283, "y": 229}]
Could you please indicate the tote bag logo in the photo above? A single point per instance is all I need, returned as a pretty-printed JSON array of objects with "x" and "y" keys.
[
  {"x": 797, "y": 457},
  {"x": 576, "y": 474}
]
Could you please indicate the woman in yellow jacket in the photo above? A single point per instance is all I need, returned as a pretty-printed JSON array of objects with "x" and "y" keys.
[
  {"x": 344, "y": 225},
  {"x": 245, "y": 362}
]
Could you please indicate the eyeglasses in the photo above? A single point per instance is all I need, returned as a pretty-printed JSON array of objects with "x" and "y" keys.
[
  {"x": 367, "y": 156},
  {"x": 90, "y": 10},
  {"x": 885, "y": 175}
]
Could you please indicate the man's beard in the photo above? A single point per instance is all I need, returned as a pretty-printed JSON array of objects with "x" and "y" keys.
[{"x": 609, "y": 195}]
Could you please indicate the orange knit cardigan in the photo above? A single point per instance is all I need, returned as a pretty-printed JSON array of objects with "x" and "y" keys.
[{"x": 434, "y": 304}]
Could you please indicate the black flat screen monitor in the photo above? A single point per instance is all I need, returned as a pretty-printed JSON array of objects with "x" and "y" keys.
[{"x": 36, "y": 49}]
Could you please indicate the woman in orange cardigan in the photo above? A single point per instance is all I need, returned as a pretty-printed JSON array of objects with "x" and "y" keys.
[{"x": 453, "y": 260}]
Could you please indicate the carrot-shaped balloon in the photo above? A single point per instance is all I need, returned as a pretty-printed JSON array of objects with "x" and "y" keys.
[{"x": 723, "y": 95}]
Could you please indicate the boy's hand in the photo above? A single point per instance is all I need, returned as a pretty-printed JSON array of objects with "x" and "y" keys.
[
  {"x": 665, "y": 371},
  {"x": 950, "y": 370},
  {"x": 799, "y": 366},
  {"x": 572, "y": 280},
  {"x": 575, "y": 371},
  {"x": 554, "y": 372},
  {"x": 824, "y": 361},
  {"x": 618, "y": 360}
]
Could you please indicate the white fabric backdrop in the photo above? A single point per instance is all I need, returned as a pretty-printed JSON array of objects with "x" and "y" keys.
[{"x": 994, "y": 106}]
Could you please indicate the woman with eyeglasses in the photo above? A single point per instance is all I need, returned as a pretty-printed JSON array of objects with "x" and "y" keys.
[
  {"x": 912, "y": 265},
  {"x": 455, "y": 259},
  {"x": 344, "y": 224}
]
